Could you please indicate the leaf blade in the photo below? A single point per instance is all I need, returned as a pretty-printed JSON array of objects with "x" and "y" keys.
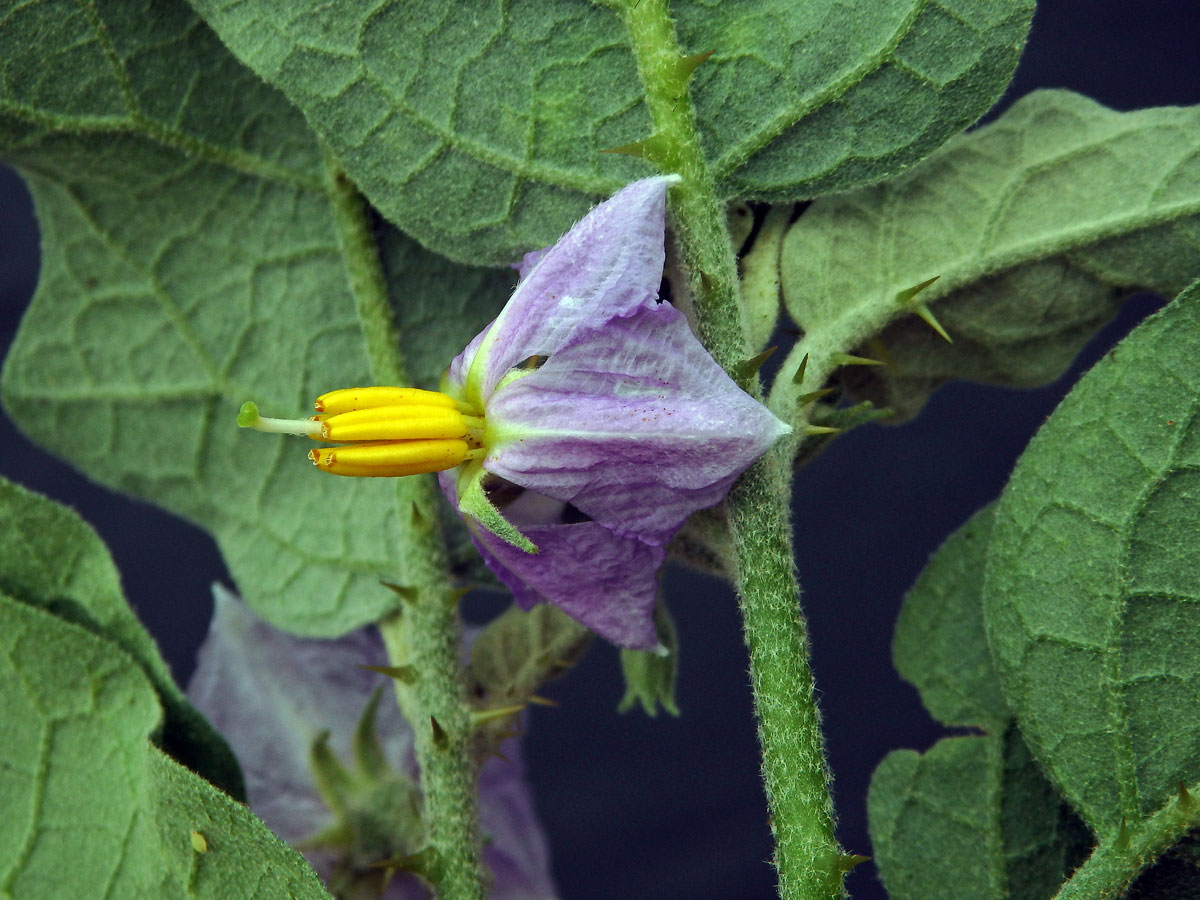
[
  {"x": 191, "y": 262},
  {"x": 1089, "y": 587},
  {"x": 483, "y": 137},
  {"x": 114, "y": 817},
  {"x": 50, "y": 558},
  {"x": 1034, "y": 229},
  {"x": 940, "y": 646}
]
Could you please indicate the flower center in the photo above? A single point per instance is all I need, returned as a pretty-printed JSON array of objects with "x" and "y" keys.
[{"x": 383, "y": 431}]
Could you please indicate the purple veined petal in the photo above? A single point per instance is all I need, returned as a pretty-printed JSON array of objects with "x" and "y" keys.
[
  {"x": 633, "y": 423},
  {"x": 603, "y": 580},
  {"x": 270, "y": 694},
  {"x": 609, "y": 264}
]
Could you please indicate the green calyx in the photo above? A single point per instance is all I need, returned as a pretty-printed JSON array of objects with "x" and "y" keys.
[{"x": 377, "y": 812}]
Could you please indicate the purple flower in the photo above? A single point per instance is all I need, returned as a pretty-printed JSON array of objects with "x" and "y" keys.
[
  {"x": 272, "y": 695},
  {"x": 595, "y": 399}
]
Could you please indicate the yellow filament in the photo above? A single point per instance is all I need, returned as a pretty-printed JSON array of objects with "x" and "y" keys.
[
  {"x": 348, "y": 399},
  {"x": 394, "y": 423},
  {"x": 389, "y": 458}
]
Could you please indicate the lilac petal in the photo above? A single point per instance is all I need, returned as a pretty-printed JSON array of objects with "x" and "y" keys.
[
  {"x": 609, "y": 264},
  {"x": 605, "y": 581},
  {"x": 633, "y": 423},
  {"x": 271, "y": 694},
  {"x": 529, "y": 260}
]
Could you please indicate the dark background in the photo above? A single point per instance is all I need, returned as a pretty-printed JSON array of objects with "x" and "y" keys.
[{"x": 671, "y": 809}]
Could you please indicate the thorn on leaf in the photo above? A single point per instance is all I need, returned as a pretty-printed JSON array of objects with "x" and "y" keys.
[
  {"x": 652, "y": 149},
  {"x": 798, "y": 378},
  {"x": 813, "y": 396},
  {"x": 904, "y": 296},
  {"x": 688, "y": 64},
  {"x": 403, "y": 674},
  {"x": 481, "y": 717},
  {"x": 923, "y": 311},
  {"x": 407, "y": 594},
  {"x": 847, "y": 861},
  {"x": 1186, "y": 800},
  {"x": 441, "y": 740},
  {"x": 748, "y": 368},
  {"x": 846, "y": 359}
]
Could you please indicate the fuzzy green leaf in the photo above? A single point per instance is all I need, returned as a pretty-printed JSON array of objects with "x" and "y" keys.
[
  {"x": 51, "y": 558},
  {"x": 191, "y": 261},
  {"x": 1038, "y": 225},
  {"x": 973, "y": 818},
  {"x": 804, "y": 99},
  {"x": 940, "y": 645},
  {"x": 92, "y": 809},
  {"x": 1092, "y": 590},
  {"x": 482, "y": 134}
]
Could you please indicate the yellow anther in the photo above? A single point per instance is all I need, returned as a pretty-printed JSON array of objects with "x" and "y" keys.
[
  {"x": 391, "y": 458},
  {"x": 395, "y": 423},
  {"x": 348, "y": 399}
]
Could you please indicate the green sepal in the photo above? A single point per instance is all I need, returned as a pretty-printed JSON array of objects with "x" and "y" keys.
[
  {"x": 334, "y": 781},
  {"x": 377, "y": 811},
  {"x": 368, "y": 752},
  {"x": 650, "y": 674},
  {"x": 474, "y": 503}
]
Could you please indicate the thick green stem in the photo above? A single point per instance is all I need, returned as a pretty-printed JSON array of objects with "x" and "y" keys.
[
  {"x": 424, "y": 633},
  {"x": 810, "y": 862},
  {"x": 1119, "y": 857},
  {"x": 796, "y": 777}
]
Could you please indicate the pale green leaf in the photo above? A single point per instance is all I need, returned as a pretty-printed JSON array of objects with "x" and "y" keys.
[
  {"x": 92, "y": 809},
  {"x": 51, "y": 558},
  {"x": 1038, "y": 225},
  {"x": 940, "y": 645},
  {"x": 192, "y": 261},
  {"x": 481, "y": 132},
  {"x": 650, "y": 674},
  {"x": 972, "y": 818},
  {"x": 1092, "y": 589}
]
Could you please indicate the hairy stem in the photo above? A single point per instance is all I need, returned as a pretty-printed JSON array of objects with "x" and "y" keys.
[
  {"x": 796, "y": 776},
  {"x": 1121, "y": 856},
  {"x": 424, "y": 633}
]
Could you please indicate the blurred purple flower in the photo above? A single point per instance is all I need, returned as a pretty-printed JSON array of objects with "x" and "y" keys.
[{"x": 271, "y": 695}]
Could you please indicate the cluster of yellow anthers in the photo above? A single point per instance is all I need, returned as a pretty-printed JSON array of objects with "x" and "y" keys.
[{"x": 382, "y": 431}]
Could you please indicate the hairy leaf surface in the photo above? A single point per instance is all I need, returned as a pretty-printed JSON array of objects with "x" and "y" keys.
[
  {"x": 940, "y": 646},
  {"x": 1092, "y": 591},
  {"x": 191, "y": 261},
  {"x": 972, "y": 818},
  {"x": 92, "y": 809},
  {"x": 481, "y": 132},
  {"x": 1037, "y": 226},
  {"x": 51, "y": 558}
]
